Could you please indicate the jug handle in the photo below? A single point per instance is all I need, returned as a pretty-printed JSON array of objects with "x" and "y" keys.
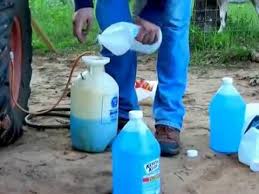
[{"x": 148, "y": 49}]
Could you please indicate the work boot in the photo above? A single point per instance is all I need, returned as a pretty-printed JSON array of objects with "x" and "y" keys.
[
  {"x": 121, "y": 123},
  {"x": 169, "y": 140}
]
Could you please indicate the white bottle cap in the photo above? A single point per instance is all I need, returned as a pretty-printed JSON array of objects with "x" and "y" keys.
[
  {"x": 192, "y": 153},
  {"x": 227, "y": 80},
  {"x": 135, "y": 114},
  {"x": 254, "y": 166}
]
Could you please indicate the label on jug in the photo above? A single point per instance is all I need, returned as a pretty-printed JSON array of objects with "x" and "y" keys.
[
  {"x": 109, "y": 109},
  {"x": 151, "y": 178}
]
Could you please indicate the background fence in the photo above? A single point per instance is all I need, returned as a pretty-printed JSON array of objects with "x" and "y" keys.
[{"x": 242, "y": 26}]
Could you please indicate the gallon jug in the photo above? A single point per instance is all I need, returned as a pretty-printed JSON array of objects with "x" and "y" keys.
[
  {"x": 248, "y": 152},
  {"x": 252, "y": 109},
  {"x": 120, "y": 38},
  {"x": 227, "y": 113},
  {"x": 135, "y": 159},
  {"x": 94, "y": 107}
]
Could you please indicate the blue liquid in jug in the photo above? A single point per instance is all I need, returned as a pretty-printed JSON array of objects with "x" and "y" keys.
[
  {"x": 227, "y": 113},
  {"x": 92, "y": 135},
  {"x": 135, "y": 158}
]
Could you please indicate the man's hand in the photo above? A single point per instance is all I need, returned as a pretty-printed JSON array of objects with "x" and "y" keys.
[
  {"x": 82, "y": 23},
  {"x": 148, "y": 31}
]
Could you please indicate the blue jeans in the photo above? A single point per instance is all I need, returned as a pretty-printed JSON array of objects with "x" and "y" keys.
[{"x": 172, "y": 63}]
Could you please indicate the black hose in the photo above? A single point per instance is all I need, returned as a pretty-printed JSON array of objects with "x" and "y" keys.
[{"x": 54, "y": 113}]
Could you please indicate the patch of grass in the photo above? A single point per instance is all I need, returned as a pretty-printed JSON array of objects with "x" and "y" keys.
[
  {"x": 240, "y": 36},
  {"x": 55, "y": 18},
  {"x": 235, "y": 43},
  {"x": 220, "y": 58}
]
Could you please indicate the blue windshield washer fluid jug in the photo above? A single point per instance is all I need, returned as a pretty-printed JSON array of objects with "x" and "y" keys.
[
  {"x": 227, "y": 114},
  {"x": 136, "y": 159}
]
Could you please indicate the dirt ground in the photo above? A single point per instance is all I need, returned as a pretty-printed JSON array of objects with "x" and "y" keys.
[{"x": 42, "y": 162}]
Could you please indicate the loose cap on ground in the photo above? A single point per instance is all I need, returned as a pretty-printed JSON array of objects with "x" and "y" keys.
[{"x": 192, "y": 153}]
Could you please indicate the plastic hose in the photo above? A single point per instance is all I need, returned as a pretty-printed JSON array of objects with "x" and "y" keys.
[
  {"x": 53, "y": 111},
  {"x": 56, "y": 112}
]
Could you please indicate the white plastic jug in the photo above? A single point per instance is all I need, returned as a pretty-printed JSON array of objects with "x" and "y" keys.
[
  {"x": 120, "y": 38},
  {"x": 248, "y": 152},
  {"x": 94, "y": 107},
  {"x": 252, "y": 109}
]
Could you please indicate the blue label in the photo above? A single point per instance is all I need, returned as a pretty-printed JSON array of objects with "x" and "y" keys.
[
  {"x": 151, "y": 178},
  {"x": 114, "y": 108},
  {"x": 114, "y": 102},
  {"x": 113, "y": 114},
  {"x": 109, "y": 109}
]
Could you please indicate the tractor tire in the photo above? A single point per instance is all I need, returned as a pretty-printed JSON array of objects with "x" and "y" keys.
[{"x": 17, "y": 40}]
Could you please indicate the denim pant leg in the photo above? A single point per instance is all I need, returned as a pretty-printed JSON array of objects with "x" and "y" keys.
[
  {"x": 173, "y": 59},
  {"x": 121, "y": 68}
]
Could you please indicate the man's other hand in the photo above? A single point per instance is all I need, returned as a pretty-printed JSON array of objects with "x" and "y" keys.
[
  {"x": 148, "y": 32},
  {"x": 82, "y": 23}
]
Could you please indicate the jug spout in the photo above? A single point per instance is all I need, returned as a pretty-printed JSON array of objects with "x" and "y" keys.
[{"x": 95, "y": 64}]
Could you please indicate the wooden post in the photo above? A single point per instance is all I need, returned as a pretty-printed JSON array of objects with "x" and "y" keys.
[{"x": 42, "y": 35}]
